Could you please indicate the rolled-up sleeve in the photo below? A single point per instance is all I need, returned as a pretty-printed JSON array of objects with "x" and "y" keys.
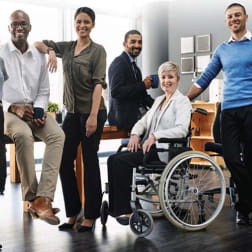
[{"x": 99, "y": 67}]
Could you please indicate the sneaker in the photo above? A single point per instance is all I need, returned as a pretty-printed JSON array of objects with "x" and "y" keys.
[{"x": 242, "y": 219}]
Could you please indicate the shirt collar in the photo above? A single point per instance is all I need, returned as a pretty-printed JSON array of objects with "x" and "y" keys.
[
  {"x": 130, "y": 58},
  {"x": 247, "y": 36},
  {"x": 14, "y": 48}
]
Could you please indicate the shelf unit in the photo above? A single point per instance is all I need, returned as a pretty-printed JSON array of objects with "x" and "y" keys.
[{"x": 202, "y": 127}]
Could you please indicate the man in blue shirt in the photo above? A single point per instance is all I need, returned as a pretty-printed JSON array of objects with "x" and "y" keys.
[{"x": 234, "y": 58}]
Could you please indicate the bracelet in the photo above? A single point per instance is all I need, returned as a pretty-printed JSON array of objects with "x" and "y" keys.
[{"x": 49, "y": 49}]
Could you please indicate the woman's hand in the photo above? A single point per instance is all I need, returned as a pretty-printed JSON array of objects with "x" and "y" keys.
[
  {"x": 148, "y": 143},
  {"x": 133, "y": 144},
  {"x": 52, "y": 61},
  {"x": 91, "y": 125}
]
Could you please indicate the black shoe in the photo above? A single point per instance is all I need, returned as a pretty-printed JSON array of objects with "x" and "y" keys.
[
  {"x": 242, "y": 219},
  {"x": 86, "y": 228},
  {"x": 66, "y": 226},
  {"x": 123, "y": 220}
]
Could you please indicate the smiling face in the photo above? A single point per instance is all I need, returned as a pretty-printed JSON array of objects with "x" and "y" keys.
[
  {"x": 133, "y": 45},
  {"x": 169, "y": 81},
  {"x": 83, "y": 25},
  {"x": 236, "y": 19},
  {"x": 19, "y": 27}
]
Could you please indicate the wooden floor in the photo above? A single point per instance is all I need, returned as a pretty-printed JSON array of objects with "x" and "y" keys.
[{"x": 20, "y": 233}]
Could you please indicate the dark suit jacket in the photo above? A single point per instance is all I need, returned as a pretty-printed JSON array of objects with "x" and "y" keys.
[{"x": 126, "y": 93}]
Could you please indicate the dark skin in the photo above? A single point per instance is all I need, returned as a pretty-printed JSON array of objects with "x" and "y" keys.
[
  {"x": 19, "y": 29},
  {"x": 133, "y": 45}
]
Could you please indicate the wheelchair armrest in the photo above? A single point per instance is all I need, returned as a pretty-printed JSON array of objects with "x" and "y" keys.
[
  {"x": 124, "y": 145},
  {"x": 214, "y": 147},
  {"x": 200, "y": 111},
  {"x": 173, "y": 140}
]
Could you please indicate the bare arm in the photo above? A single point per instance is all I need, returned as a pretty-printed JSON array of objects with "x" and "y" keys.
[
  {"x": 193, "y": 92},
  {"x": 52, "y": 60},
  {"x": 91, "y": 124}
]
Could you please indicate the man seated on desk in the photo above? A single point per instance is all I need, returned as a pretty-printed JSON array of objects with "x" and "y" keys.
[{"x": 25, "y": 98}]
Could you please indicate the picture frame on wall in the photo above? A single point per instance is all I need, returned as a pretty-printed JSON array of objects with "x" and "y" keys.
[
  {"x": 203, "y": 43},
  {"x": 187, "y": 44},
  {"x": 202, "y": 62},
  {"x": 187, "y": 65}
]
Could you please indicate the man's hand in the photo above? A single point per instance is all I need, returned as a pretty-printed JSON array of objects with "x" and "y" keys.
[
  {"x": 23, "y": 111},
  {"x": 133, "y": 144},
  {"x": 40, "y": 122},
  {"x": 147, "y": 82},
  {"x": 52, "y": 61},
  {"x": 91, "y": 125},
  {"x": 148, "y": 143}
]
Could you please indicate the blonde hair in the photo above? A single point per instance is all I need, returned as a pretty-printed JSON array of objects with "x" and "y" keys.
[{"x": 169, "y": 66}]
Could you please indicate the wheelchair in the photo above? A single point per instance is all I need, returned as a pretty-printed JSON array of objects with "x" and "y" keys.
[{"x": 180, "y": 190}]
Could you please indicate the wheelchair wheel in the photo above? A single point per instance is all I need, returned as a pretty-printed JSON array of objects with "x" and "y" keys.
[
  {"x": 147, "y": 196},
  {"x": 141, "y": 223},
  {"x": 104, "y": 212},
  {"x": 192, "y": 190}
]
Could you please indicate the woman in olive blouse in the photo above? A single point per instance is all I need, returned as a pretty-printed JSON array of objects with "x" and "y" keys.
[{"x": 84, "y": 67}]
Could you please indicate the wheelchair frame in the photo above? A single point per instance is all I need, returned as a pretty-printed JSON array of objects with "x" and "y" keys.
[{"x": 184, "y": 192}]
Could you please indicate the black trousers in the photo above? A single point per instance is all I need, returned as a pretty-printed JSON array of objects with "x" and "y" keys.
[
  {"x": 2, "y": 153},
  {"x": 120, "y": 169},
  {"x": 236, "y": 125},
  {"x": 75, "y": 129}
]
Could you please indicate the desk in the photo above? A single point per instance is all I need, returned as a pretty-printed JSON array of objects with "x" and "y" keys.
[{"x": 109, "y": 132}]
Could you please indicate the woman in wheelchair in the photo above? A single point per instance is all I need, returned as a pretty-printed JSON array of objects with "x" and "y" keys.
[{"x": 169, "y": 117}]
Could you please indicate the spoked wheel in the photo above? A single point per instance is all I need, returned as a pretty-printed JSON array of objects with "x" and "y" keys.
[
  {"x": 141, "y": 223},
  {"x": 192, "y": 190},
  {"x": 147, "y": 195},
  {"x": 104, "y": 212}
]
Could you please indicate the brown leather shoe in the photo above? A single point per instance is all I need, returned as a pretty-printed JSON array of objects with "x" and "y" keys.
[{"x": 41, "y": 208}]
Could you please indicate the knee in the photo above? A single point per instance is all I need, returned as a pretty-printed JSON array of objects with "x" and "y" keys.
[
  {"x": 23, "y": 138},
  {"x": 110, "y": 162},
  {"x": 61, "y": 136},
  {"x": 57, "y": 136}
]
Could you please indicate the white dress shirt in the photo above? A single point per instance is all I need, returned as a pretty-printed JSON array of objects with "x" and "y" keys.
[{"x": 28, "y": 77}]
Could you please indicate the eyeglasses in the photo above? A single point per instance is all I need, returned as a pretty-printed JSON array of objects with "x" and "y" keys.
[{"x": 22, "y": 24}]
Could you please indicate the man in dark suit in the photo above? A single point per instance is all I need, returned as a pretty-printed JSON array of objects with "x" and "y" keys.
[{"x": 129, "y": 99}]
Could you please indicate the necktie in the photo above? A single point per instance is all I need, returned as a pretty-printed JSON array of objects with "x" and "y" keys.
[{"x": 136, "y": 71}]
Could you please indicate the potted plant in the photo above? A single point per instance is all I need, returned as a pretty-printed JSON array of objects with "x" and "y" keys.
[{"x": 53, "y": 107}]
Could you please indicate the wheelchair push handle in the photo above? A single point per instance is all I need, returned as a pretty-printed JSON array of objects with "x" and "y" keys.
[{"x": 200, "y": 111}]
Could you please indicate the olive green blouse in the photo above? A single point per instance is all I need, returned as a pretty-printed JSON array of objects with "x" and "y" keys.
[{"x": 81, "y": 74}]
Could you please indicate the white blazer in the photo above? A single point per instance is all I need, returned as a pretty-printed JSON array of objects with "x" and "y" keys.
[{"x": 173, "y": 121}]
